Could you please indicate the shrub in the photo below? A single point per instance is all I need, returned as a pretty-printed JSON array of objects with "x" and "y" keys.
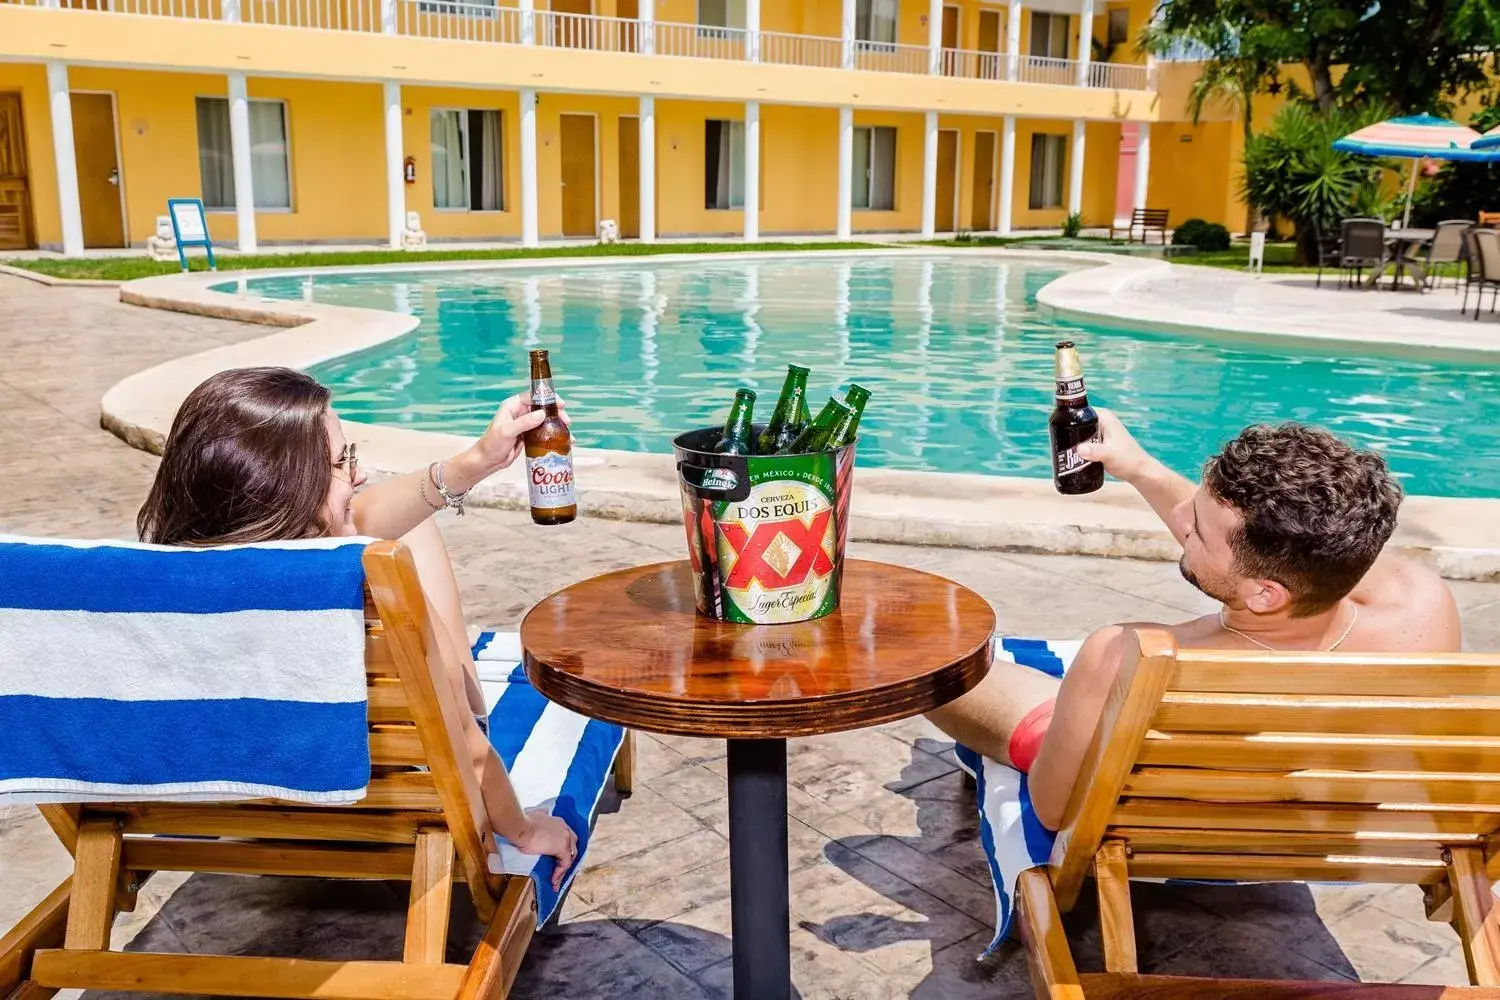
[
  {"x": 1210, "y": 237},
  {"x": 1073, "y": 225}
]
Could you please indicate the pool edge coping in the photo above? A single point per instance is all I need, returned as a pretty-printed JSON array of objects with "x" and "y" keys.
[{"x": 921, "y": 508}]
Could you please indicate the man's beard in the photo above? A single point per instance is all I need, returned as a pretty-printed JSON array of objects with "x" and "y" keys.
[{"x": 1192, "y": 578}]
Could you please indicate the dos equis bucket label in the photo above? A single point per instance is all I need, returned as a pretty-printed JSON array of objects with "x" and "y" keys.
[{"x": 776, "y": 548}]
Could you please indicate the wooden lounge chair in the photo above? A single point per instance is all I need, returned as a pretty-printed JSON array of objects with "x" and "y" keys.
[
  {"x": 1279, "y": 767},
  {"x": 423, "y": 826},
  {"x": 1145, "y": 220}
]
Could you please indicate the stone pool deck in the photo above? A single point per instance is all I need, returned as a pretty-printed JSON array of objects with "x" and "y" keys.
[{"x": 890, "y": 894}]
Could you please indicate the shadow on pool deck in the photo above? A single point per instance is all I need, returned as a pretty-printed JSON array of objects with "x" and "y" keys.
[{"x": 1269, "y": 931}]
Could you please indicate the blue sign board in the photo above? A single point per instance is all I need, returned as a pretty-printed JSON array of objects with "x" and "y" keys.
[{"x": 190, "y": 227}]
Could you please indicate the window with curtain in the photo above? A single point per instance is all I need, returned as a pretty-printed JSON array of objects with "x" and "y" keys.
[
  {"x": 723, "y": 164},
  {"x": 468, "y": 159},
  {"x": 875, "y": 21},
  {"x": 269, "y": 170},
  {"x": 1049, "y": 156},
  {"x": 721, "y": 14},
  {"x": 875, "y": 168},
  {"x": 1049, "y": 35}
]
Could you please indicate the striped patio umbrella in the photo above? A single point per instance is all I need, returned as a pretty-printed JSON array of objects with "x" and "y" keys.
[
  {"x": 1415, "y": 137},
  {"x": 1490, "y": 142}
]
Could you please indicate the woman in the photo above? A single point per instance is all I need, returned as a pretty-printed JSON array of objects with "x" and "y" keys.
[{"x": 257, "y": 455}]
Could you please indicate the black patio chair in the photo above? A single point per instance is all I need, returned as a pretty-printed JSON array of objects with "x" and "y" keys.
[{"x": 1363, "y": 245}]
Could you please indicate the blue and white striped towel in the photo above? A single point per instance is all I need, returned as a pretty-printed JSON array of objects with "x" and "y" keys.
[
  {"x": 136, "y": 672},
  {"x": 557, "y": 760},
  {"x": 1012, "y": 837}
]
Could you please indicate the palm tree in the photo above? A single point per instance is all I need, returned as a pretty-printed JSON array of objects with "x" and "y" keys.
[{"x": 1232, "y": 71}]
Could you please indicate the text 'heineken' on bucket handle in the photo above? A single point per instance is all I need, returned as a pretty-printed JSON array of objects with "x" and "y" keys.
[{"x": 701, "y": 479}]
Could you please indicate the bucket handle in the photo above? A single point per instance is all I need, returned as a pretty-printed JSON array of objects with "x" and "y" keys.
[{"x": 693, "y": 477}]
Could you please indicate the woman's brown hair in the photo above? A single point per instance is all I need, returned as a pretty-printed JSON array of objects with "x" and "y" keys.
[{"x": 247, "y": 460}]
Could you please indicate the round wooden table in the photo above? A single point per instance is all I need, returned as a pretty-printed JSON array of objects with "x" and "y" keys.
[{"x": 629, "y": 647}]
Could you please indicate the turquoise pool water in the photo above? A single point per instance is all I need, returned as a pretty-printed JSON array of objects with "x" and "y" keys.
[{"x": 958, "y": 358}]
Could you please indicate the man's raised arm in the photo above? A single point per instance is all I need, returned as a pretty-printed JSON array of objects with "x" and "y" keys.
[{"x": 1124, "y": 458}]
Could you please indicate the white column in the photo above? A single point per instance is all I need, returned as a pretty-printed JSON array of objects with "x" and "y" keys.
[
  {"x": 67, "y": 162},
  {"x": 648, "y": 165},
  {"x": 1013, "y": 39},
  {"x": 646, "y": 15},
  {"x": 1075, "y": 169},
  {"x": 929, "y": 176},
  {"x": 1007, "y": 173},
  {"x": 387, "y": 15},
  {"x": 752, "y": 171},
  {"x": 528, "y": 22},
  {"x": 1085, "y": 41},
  {"x": 1142, "y": 164},
  {"x": 846, "y": 172},
  {"x": 846, "y": 33},
  {"x": 239, "y": 147},
  {"x": 529, "y": 230},
  {"x": 395, "y": 184},
  {"x": 752, "y": 30},
  {"x": 934, "y": 36}
]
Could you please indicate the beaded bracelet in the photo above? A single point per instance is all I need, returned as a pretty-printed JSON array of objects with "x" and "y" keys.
[
  {"x": 454, "y": 500},
  {"x": 422, "y": 488}
]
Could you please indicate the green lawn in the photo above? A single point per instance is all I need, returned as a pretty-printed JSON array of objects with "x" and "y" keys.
[
  {"x": 1280, "y": 257},
  {"x": 128, "y": 268}
]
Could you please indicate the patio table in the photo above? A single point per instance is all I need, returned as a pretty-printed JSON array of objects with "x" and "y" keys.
[
  {"x": 629, "y": 647},
  {"x": 1406, "y": 242}
]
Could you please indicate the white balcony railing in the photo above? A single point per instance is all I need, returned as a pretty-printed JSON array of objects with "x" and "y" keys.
[
  {"x": 1044, "y": 69},
  {"x": 480, "y": 21},
  {"x": 458, "y": 22},
  {"x": 1119, "y": 76},
  {"x": 801, "y": 50}
]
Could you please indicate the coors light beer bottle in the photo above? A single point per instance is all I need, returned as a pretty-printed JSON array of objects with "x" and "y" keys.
[
  {"x": 1073, "y": 422},
  {"x": 549, "y": 452}
]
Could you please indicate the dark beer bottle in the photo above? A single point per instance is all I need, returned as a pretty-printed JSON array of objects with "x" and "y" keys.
[
  {"x": 1073, "y": 422},
  {"x": 782, "y": 429},
  {"x": 549, "y": 452},
  {"x": 820, "y": 431},
  {"x": 736, "y": 437},
  {"x": 857, "y": 397}
]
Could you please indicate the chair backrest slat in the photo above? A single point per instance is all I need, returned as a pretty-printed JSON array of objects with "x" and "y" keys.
[
  {"x": 1364, "y": 239},
  {"x": 1301, "y": 766}
]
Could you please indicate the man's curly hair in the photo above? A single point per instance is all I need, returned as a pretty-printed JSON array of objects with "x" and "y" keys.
[{"x": 1316, "y": 512}]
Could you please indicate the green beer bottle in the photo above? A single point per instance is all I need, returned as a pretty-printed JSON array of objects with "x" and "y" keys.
[
  {"x": 834, "y": 414},
  {"x": 782, "y": 430},
  {"x": 736, "y": 437},
  {"x": 857, "y": 397}
]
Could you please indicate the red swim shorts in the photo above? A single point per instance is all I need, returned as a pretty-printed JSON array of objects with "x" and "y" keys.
[{"x": 1027, "y": 738}]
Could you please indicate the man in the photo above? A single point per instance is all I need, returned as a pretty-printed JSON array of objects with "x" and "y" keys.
[{"x": 1286, "y": 531}]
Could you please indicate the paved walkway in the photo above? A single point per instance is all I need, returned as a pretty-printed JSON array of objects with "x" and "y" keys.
[{"x": 890, "y": 896}]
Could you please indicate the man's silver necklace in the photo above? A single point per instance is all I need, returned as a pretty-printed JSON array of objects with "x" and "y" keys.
[{"x": 1224, "y": 623}]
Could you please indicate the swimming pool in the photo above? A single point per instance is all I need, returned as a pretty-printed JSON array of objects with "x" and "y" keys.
[{"x": 954, "y": 349}]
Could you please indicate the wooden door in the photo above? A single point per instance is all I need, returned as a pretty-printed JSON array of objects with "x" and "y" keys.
[
  {"x": 15, "y": 190},
  {"x": 579, "y": 208},
  {"x": 628, "y": 11},
  {"x": 98, "y": 170},
  {"x": 572, "y": 32},
  {"x": 989, "y": 44},
  {"x": 950, "y": 41},
  {"x": 630, "y": 177},
  {"x": 980, "y": 216},
  {"x": 947, "y": 186}
]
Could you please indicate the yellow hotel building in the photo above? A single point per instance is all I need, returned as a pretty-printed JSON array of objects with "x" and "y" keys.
[{"x": 327, "y": 121}]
